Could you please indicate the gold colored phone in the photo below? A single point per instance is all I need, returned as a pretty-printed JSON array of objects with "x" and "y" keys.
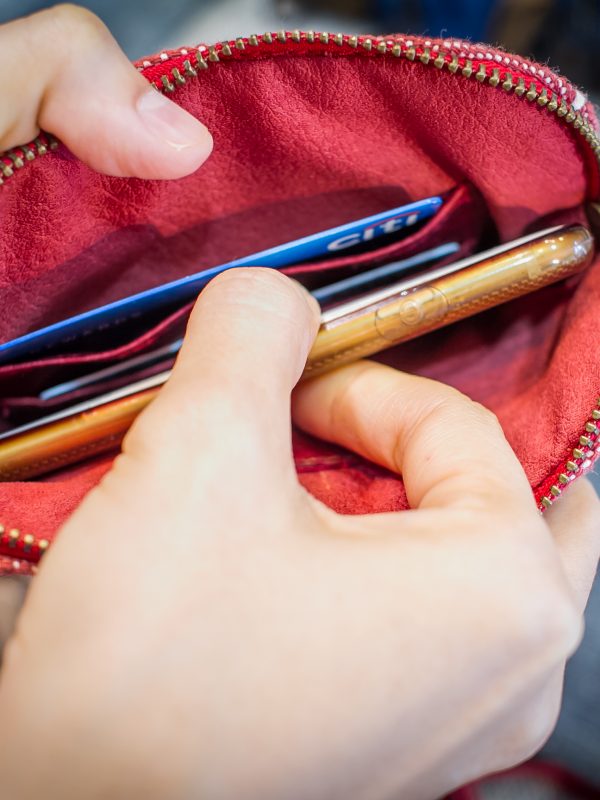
[
  {"x": 359, "y": 327},
  {"x": 434, "y": 299}
]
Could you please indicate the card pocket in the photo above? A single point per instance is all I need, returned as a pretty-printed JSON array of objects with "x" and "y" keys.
[
  {"x": 24, "y": 380},
  {"x": 461, "y": 219}
]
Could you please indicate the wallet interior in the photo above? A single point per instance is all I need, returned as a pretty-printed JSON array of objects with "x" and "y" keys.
[{"x": 309, "y": 135}]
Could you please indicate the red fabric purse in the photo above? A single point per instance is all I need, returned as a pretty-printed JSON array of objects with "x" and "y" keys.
[{"x": 313, "y": 130}]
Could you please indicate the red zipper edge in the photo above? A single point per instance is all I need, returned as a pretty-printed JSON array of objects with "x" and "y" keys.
[
  {"x": 166, "y": 70},
  {"x": 161, "y": 67},
  {"x": 584, "y": 454},
  {"x": 340, "y": 43}
]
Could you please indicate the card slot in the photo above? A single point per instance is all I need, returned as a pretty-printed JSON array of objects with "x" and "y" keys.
[
  {"x": 32, "y": 376},
  {"x": 22, "y": 409},
  {"x": 461, "y": 219},
  {"x": 78, "y": 312}
]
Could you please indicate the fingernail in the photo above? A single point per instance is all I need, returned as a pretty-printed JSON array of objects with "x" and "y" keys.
[{"x": 172, "y": 124}]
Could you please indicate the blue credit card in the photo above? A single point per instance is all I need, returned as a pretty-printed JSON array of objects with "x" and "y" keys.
[{"x": 334, "y": 241}]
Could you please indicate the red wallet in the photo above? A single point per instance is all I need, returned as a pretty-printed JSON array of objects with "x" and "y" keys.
[{"x": 311, "y": 131}]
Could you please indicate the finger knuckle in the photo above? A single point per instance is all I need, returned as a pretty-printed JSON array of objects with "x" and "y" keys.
[
  {"x": 535, "y": 726},
  {"x": 543, "y": 623},
  {"x": 479, "y": 415},
  {"x": 72, "y": 22},
  {"x": 446, "y": 404},
  {"x": 485, "y": 416},
  {"x": 527, "y": 734},
  {"x": 449, "y": 406}
]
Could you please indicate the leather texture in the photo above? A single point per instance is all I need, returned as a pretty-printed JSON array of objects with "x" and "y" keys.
[{"x": 307, "y": 138}]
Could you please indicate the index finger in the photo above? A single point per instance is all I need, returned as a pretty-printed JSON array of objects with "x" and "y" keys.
[{"x": 449, "y": 450}]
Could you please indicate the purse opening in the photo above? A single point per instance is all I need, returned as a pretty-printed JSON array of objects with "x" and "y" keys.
[{"x": 308, "y": 135}]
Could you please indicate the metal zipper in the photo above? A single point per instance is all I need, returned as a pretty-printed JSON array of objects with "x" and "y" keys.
[
  {"x": 582, "y": 458},
  {"x": 534, "y": 83},
  {"x": 496, "y": 68},
  {"x": 492, "y": 67},
  {"x": 21, "y": 547},
  {"x": 16, "y": 158}
]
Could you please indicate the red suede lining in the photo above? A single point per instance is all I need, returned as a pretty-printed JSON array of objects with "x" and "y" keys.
[
  {"x": 304, "y": 141},
  {"x": 288, "y": 160}
]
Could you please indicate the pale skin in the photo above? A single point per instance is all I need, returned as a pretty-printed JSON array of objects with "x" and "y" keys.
[{"x": 204, "y": 628}]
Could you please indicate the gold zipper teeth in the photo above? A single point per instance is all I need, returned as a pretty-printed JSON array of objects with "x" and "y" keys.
[
  {"x": 589, "y": 445},
  {"x": 38, "y": 147},
  {"x": 438, "y": 57},
  {"x": 23, "y": 546}
]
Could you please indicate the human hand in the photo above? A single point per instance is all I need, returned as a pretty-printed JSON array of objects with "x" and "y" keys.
[
  {"x": 82, "y": 88},
  {"x": 64, "y": 72},
  {"x": 205, "y": 628}
]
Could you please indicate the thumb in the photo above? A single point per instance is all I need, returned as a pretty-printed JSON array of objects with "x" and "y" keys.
[
  {"x": 91, "y": 97},
  {"x": 228, "y": 397}
]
